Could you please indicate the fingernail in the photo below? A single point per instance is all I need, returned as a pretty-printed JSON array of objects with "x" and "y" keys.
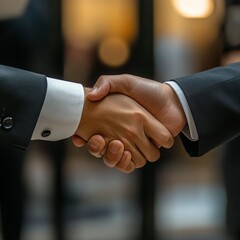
[
  {"x": 114, "y": 149},
  {"x": 94, "y": 144},
  {"x": 107, "y": 163}
]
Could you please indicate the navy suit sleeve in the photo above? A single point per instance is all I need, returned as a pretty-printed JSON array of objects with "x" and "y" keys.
[
  {"x": 22, "y": 94},
  {"x": 214, "y": 99}
]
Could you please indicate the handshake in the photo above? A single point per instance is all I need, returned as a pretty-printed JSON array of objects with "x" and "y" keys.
[{"x": 126, "y": 119}]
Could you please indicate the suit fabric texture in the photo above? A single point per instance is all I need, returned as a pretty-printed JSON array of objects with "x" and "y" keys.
[
  {"x": 22, "y": 94},
  {"x": 214, "y": 100}
]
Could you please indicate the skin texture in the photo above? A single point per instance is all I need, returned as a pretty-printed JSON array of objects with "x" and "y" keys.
[
  {"x": 159, "y": 99},
  {"x": 120, "y": 119}
]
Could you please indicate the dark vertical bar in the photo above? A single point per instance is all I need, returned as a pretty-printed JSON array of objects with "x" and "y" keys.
[
  {"x": 147, "y": 174},
  {"x": 57, "y": 152},
  {"x": 56, "y": 45},
  {"x": 146, "y": 33}
]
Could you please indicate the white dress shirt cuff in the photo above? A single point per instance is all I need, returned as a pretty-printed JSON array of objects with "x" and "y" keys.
[
  {"x": 190, "y": 130},
  {"x": 61, "y": 111}
]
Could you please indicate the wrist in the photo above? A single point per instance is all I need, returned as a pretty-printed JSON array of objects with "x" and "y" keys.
[
  {"x": 86, "y": 91},
  {"x": 176, "y": 109},
  {"x": 85, "y": 116}
]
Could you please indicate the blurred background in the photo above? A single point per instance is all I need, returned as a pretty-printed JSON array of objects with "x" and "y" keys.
[{"x": 55, "y": 191}]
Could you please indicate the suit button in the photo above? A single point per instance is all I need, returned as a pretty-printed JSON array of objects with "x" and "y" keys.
[
  {"x": 46, "y": 133},
  {"x": 7, "y": 123}
]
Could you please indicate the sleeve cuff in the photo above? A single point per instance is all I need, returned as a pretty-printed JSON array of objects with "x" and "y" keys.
[
  {"x": 190, "y": 130},
  {"x": 61, "y": 111}
]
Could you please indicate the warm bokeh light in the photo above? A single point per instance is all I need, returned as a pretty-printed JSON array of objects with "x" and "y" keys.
[
  {"x": 114, "y": 52},
  {"x": 95, "y": 19},
  {"x": 194, "y": 8},
  {"x": 200, "y": 32}
]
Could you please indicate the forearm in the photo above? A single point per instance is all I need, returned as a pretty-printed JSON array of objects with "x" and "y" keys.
[
  {"x": 21, "y": 97},
  {"x": 214, "y": 100},
  {"x": 189, "y": 130},
  {"x": 37, "y": 107}
]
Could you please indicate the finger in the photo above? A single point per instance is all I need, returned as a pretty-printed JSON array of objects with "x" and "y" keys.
[
  {"x": 112, "y": 83},
  {"x": 78, "y": 141},
  {"x": 153, "y": 136},
  {"x": 126, "y": 164},
  {"x": 158, "y": 133},
  {"x": 148, "y": 149},
  {"x": 96, "y": 145},
  {"x": 114, "y": 153},
  {"x": 100, "y": 90},
  {"x": 137, "y": 157}
]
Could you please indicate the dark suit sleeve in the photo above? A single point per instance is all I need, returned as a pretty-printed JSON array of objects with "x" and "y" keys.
[
  {"x": 22, "y": 94},
  {"x": 214, "y": 99}
]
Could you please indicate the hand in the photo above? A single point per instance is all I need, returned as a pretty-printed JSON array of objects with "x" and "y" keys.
[
  {"x": 118, "y": 117},
  {"x": 115, "y": 155},
  {"x": 159, "y": 99}
]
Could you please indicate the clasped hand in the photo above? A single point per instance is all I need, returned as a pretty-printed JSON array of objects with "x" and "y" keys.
[{"x": 127, "y": 132}]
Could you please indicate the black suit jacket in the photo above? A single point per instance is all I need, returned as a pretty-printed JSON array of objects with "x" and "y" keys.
[
  {"x": 214, "y": 99},
  {"x": 22, "y": 94}
]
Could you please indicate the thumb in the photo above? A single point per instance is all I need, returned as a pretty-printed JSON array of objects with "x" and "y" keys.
[
  {"x": 99, "y": 91},
  {"x": 111, "y": 83}
]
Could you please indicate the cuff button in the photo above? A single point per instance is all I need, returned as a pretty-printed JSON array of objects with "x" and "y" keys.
[
  {"x": 46, "y": 133},
  {"x": 7, "y": 123}
]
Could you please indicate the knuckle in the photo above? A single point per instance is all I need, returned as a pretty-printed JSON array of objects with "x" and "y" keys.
[
  {"x": 101, "y": 78},
  {"x": 138, "y": 115}
]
